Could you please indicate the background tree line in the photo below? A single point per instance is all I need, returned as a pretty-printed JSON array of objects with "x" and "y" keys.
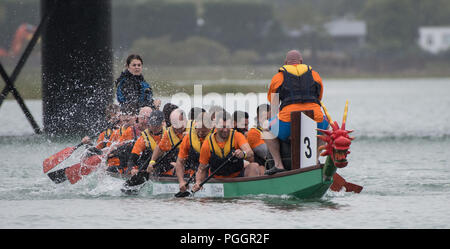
[{"x": 174, "y": 32}]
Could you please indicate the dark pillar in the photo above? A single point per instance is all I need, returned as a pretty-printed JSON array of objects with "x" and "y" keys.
[{"x": 76, "y": 66}]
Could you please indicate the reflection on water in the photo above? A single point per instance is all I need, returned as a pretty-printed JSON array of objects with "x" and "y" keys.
[
  {"x": 294, "y": 204},
  {"x": 281, "y": 203}
]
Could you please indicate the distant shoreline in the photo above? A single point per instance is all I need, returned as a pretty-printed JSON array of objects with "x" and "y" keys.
[{"x": 169, "y": 80}]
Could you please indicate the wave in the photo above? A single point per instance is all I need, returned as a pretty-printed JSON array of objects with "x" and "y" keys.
[{"x": 402, "y": 137}]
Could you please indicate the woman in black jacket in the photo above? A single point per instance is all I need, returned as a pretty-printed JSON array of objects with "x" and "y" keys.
[{"x": 133, "y": 92}]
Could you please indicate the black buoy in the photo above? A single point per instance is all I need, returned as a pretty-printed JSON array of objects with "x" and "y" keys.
[{"x": 77, "y": 78}]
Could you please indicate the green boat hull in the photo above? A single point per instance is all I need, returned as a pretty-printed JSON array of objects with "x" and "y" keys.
[{"x": 302, "y": 183}]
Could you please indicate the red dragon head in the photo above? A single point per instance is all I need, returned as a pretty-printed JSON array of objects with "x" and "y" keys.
[{"x": 338, "y": 141}]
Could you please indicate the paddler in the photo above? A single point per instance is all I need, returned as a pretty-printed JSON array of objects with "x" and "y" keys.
[
  {"x": 133, "y": 132},
  {"x": 126, "y": 119},
  {"x": 171, "y": 139},
  {"x": 222, "y": 144},
  {"x": 193, "y": 113},
  {"x": 254, "y": 136},
  {"x": 240, "y": 122},
  {"x": 296, "y": 87},
  {"x": 113, "y": 121},
  {"x": 116, "y": 153},
  {"x": 212, "y": 113},
  {"x": 147, "y": 142},
  {"x": 129, "y": 137},
  {"x": 189, "y": 154},
  {"x": 167, "y": 110}
]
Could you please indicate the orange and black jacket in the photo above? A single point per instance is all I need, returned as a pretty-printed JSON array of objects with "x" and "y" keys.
[
  {"x": 219, "y": 156},
  {"x": 190, "y": 150},
  {"x": 143, "y": 149},
  {"x": 119, "y": 157},
  {"x": 298, "y": 88},
  {"x": 103, "y": 138}
]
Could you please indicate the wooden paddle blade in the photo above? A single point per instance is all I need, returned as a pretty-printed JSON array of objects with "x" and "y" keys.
[
  {"x": 90, "y": 164},
  {"x": 338, "y": 183},
  {"x": 351, "y": 187},
  {"x": 51, "y": 162},
  {"x": 87, "y": 166},
  {"x": 73, "y": 173},
  {"x": 58, "y": 176}
]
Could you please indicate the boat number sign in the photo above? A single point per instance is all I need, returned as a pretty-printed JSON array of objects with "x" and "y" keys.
[{"x": 308, "y": 142}]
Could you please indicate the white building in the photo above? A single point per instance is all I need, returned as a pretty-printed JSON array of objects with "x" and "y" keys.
[
  {"x": 434, "y": 39},
  {"x": 346, "y": 28}
]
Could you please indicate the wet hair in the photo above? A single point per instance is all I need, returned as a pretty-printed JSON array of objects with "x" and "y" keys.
[
  {"x": 133, "y": 57},
  {"x": 223, "y": 115},
  {"x": 203, "y": 118},
  {"x": 215, "y": 109},
  {"x": 262, "y": 107},
  {"x": 167, "y": 110},
  {"x": 238, "y": 115},
  {"x": 195, "y": 111}
]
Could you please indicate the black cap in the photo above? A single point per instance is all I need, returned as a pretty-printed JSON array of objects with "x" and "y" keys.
[{"x": 156, "y": 118}]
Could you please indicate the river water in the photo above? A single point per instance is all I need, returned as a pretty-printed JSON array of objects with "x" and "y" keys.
[{"x": 401, "y": 156}]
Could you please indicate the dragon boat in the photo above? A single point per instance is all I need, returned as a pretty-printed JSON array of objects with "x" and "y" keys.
[
  {"x": 302, "y": 183},
  {"x": 306, "y": 179}
]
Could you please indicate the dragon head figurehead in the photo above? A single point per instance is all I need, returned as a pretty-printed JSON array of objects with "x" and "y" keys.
[{"x": 337, "y": 140}]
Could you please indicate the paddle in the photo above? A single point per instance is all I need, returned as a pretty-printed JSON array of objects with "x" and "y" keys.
[
  {"x": 59, "y": 175},
  {"x": 339, "y": 182},
  {"x": 187, "y": 193},
  {"x": 142, "y": 176},
  {"x": 75, "y": 172},
  {"x": 51, "y": 162}
]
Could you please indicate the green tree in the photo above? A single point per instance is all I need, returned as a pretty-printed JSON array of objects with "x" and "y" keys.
[
  {"x": 433, "y": 12},
  {"x": 308, "y": 17},
  {"x": 392, "y": 25},
  {"x": 192, "y": 51},
  {"x": 132, "y": 21},
  {"x": 237, "y": 25}
]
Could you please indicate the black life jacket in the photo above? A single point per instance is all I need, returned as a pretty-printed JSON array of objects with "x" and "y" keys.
[
  {"x": 133, "y": 89},
  {"x": 192, "y": 160},
  {"x": 165, "y": 164},
  {"x": 298, "y": 88},
  {"x": 150, "y": 145},
  {"x": 174, "y": 139},
  {"x": 219, "y": 156},
  {"x": 123, "y": 152}
]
